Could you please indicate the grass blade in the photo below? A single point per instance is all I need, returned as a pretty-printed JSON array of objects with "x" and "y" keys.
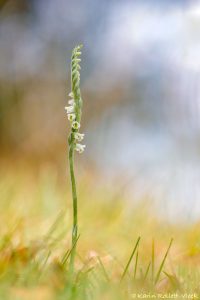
[
  {"x": 163, "y": 261},
  {"x": 136, "y": 264},
  {"x": 141, "y": 273},
  {"x": 103, "y": 269},
  {"x": 147, "y": 271},
  {"x": 152, "y": 261},
  {"x": 44, "y": 265},
  {"x": 130, "y": 259},
  {"x": 54, "y": 226},
  {"x": 174, "y": 280},
  {"x": 65, "y": 257},
  {"x": 68, "y": 253}
]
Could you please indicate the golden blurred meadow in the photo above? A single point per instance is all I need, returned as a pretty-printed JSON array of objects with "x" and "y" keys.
[
  {"x": 138, "y": 179},
  {"x": 35, "y": 243}
]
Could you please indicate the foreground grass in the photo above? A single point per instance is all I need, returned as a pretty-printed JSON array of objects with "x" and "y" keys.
[{"x": 112, "y": 262}]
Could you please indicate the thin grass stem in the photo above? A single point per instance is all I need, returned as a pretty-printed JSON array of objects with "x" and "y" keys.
[
  {"x": 136, "y": 264},
  {"x": 152, "y": 261},
  {"x": 130, "y": 259},
  {"x": 163, "y": 261}
]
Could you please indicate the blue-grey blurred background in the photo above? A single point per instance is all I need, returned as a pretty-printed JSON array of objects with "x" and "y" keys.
[{"x": 140, "y": 83}]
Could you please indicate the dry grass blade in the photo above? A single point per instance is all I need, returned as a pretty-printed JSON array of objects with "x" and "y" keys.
[
  {"x": 103, "y": 269},
  {"x": 153, "y": 261},
  {"x": 147, "y": 271},
  {"x": 54, "y": 226},
  {"x": 130, "y": 259},
  {"x": 136, "y": 264},
  {"x": 68, "y": 253},
  {"x": 173, "y": 280},
  {"x": 163, "y": 261},
  {"x": 65, "y": 256}
]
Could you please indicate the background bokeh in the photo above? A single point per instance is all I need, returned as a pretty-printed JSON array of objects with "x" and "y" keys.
[{"x": 140, "y": 86}]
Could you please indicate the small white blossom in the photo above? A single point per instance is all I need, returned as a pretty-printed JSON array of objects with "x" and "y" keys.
[
  {"x": 80, "y": 148},
  {"x": 76, "y": 125},
  {"x": 71, "y": 95},
  {"x": 79, "y": 136},
  {"x": 71, "y": 117},
  {"x": 71, "y": 101},
  {"x": 69, "y": 109}
]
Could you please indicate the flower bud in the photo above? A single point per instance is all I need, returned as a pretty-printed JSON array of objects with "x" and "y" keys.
[
  {"x": 76, "y": 125},
  {"x": 71, "y": 117}
]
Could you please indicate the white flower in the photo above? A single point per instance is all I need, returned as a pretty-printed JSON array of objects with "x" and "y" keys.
[
  {"x": 76, "y": 125},
  {"x": 79, "y": 136},
  {"x": 71, "y": 101},
  {"x": 71, "y": 117},
  {"x": 69, "y": 109},
  {"x": 71, "y": 95},
  {"x": 80, "y": 148}
]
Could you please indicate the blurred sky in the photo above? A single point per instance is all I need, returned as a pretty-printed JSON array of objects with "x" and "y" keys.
[{"x": 140, "y": 84}]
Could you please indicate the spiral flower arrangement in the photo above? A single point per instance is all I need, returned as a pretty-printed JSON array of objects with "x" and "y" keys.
[{"x": 74, "y": 109}]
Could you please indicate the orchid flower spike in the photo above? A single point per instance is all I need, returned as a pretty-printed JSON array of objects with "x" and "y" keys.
[{"x": 74, "y": 110}]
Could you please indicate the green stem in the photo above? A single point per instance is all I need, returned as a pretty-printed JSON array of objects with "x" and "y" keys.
[{"x": 74, "y": 196}]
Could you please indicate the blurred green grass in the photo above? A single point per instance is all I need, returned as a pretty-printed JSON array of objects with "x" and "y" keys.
[{"x": 35, "y": 221}]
